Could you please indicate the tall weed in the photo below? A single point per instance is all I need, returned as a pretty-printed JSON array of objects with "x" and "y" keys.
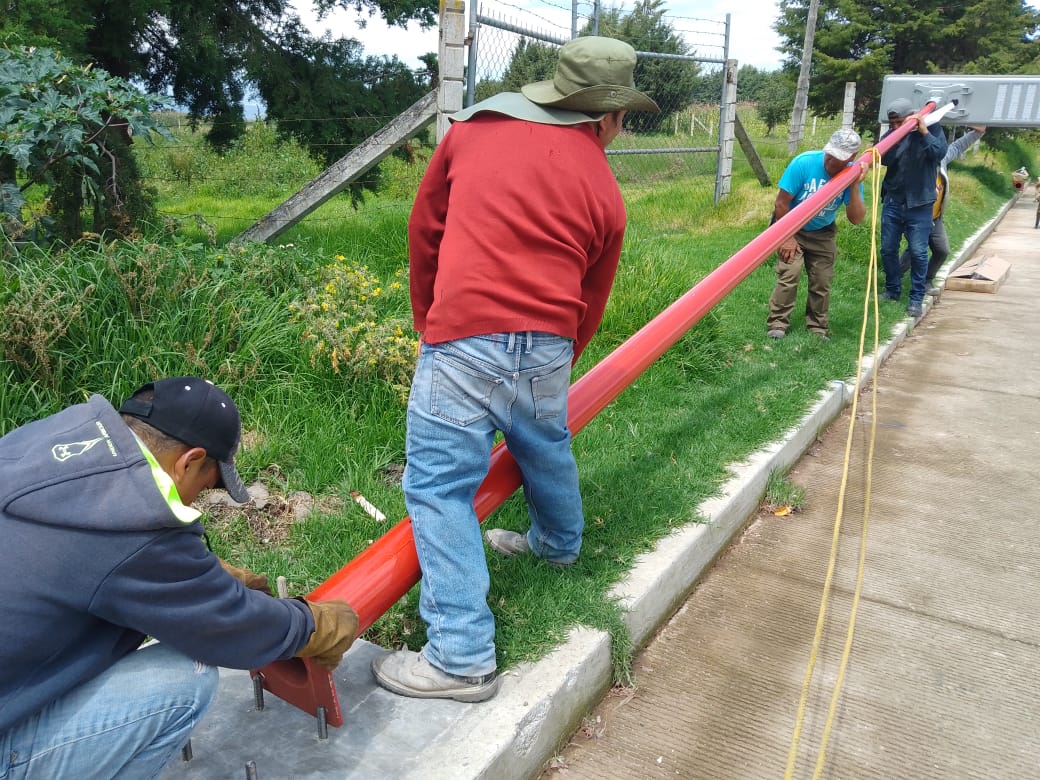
[{"x": 115, "y": 315}]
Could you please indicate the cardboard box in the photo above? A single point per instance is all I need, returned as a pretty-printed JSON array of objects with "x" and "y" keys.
[{"x": 982, "y": 274}]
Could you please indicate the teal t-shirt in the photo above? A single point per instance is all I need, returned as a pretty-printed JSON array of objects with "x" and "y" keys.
[{"x": 803, "y": 177}]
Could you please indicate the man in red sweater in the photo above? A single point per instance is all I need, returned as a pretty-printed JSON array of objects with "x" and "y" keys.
[{"x": 514, "y": 241}]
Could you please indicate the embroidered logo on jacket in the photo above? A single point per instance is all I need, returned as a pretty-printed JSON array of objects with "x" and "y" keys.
[{"x": 62, "y": 452}]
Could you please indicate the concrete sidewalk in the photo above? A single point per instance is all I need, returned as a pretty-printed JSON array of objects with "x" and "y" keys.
[
  {"x": 958, "y": 433},
  {"x": 942, "y": 678}
]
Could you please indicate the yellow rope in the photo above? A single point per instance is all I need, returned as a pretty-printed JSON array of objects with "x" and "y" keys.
[{"x": 869, "y": 298}]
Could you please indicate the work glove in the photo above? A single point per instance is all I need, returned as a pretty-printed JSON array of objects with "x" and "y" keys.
[
  {"x": 250, "y": 579},
  {"x": 335, "y": 628}
]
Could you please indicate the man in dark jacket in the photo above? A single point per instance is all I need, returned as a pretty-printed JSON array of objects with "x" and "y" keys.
[
  {"x": 908, "y": 193},
  {"x": 101, "y": 549},
  {"x": 938, "y": 241}
]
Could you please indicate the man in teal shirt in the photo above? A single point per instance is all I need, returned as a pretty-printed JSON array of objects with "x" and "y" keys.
[{"x": 813, "y": 246}]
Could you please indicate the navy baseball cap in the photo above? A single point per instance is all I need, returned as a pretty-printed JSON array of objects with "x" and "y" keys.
[{"x": 199, "y": 414}]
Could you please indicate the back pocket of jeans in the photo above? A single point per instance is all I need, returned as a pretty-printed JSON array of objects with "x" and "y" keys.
[
  {"x": 460, "y": 394},
  {"x": 550, "y": 392}
]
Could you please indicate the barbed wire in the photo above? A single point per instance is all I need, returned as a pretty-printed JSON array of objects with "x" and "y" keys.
[
  {"x": 203, "y": 122},
  {"x": 528, "y": 13},
  {"x": 669, "y": 20},
  {"x": 310, "y": 218}
]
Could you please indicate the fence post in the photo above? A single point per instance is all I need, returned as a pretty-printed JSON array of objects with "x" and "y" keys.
[
  {"x": 801, "y": 95},
  {"x": 451, "y": 59},
  {"x": 726, "y": 131},
  {"x": 850, "y": 105}
]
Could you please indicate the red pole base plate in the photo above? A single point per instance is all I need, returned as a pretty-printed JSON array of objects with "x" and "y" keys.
[{"x": 305, "y": 684}]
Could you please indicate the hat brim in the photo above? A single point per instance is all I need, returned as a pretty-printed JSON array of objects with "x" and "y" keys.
[
  {"x": 900, "y": 108},
  {"x": 838, "y": 154},
  {"x": 515, "y": 105},
  {"x": 232, "y": 483},
  {"x": 596, "y": 99}
]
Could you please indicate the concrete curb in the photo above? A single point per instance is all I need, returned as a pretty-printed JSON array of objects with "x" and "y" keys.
[{"x": 537, "y": 708}]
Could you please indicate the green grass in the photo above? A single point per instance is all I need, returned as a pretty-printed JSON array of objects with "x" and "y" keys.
[
  {"x": 783, "y": 494},
  {"x": 106, "y": 317}
]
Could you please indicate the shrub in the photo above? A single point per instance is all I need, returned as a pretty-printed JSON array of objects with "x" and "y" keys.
[{"x": 357, "y": 325}]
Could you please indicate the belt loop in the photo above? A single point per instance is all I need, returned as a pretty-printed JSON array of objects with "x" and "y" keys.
[
  {"x": 530, "y": 342},
  {"x": 511, "y": 344}
]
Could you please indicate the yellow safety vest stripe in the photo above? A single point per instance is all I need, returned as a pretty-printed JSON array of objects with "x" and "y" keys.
[{"x": 167, "y": 489}]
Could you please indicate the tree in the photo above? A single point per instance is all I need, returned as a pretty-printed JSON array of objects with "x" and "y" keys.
[
  {"x": 51, "y": 24},
  {"x": 326, "y": 94},
  {"x": 863, "y": 41},
  {"x": 669, "y": 82},
  {"x": 751, "y": 82},
  {"x": 530, "y": 62},
  {"x": 774, "y": 100},
  {"x": 208, "y": 55},
  {"x": 68, "y": 126}
]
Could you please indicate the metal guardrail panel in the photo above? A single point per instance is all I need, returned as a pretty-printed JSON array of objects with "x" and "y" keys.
[{"x": 994, "y": 101}]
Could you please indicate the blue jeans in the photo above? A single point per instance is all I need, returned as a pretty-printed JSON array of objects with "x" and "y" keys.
[
  {"x": 938, "y": 247},
  {"x": 126, "y": 723},
  {"x": 916, "y": 224},
  {"x": 464, "y": 391}
]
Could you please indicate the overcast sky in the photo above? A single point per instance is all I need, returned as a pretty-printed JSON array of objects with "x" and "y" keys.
[{"x": 752, "y": 39}]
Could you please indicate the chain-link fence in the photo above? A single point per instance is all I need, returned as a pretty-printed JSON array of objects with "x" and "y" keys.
[{"x": 512, "y": 45}]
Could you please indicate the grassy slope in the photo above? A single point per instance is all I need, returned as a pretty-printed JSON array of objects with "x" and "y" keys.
[{"x": 646, "y": 461}]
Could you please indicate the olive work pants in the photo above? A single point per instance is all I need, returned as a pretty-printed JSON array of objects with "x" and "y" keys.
[{"x": 818, "y": 251}]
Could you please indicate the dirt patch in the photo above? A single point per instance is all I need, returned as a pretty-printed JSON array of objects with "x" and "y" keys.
[{"x": 268, "y": 515}]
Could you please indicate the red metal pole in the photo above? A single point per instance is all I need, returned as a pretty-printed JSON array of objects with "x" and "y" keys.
[{"x": 383, "y": 573}]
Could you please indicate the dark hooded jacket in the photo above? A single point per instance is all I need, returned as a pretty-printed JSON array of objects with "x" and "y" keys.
[
  {"x": 911, "y": 167},
  {"x": 94, "y": 559}
]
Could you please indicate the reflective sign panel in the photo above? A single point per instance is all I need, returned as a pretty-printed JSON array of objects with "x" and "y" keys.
[{"x": 995, "y": 101}]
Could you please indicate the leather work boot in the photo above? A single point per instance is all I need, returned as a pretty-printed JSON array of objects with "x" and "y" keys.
[{"x": 408, "y": 673}]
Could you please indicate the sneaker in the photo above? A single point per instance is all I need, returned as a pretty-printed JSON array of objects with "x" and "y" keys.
[
  {"x": 409, "y": 673},
  {"x": 915, "y": 309},
  {"x": 509, "y": 543},
  {"x": 890, "y": 296},
  {"x": 775, "y": 333},
  {"x": 934, "y": 289}
]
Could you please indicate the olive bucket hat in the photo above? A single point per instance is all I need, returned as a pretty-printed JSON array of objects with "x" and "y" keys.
[{"x": 593, "y": 75}]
